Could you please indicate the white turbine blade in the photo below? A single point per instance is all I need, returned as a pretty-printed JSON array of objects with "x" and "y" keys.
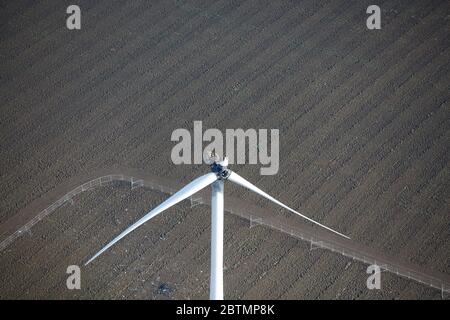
[
  {"x": 187, "y": 191},
  {"x": 234, "y": 177}
]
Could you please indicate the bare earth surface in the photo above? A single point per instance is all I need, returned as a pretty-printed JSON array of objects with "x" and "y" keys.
[{"x": 364, "y": 124}]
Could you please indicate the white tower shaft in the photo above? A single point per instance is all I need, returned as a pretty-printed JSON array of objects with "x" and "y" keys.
[{"x": 217, "y": 207}]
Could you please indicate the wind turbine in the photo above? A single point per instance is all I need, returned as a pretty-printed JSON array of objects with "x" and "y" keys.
[{"x": 220, "y": 173}]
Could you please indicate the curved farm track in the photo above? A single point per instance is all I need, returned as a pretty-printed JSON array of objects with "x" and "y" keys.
[{"x": 364, "y": 124}]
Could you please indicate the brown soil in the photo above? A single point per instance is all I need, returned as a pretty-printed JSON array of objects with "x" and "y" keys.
[{"x": 364, "y": 123}]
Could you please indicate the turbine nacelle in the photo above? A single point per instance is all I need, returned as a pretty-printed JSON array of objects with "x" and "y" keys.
[{"x": 218, "y": 166}]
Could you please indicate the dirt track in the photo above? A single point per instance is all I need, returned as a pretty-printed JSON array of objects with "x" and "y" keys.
[
  {"x": 257, "y": 216},
  {"x": 363, "y": 119}
]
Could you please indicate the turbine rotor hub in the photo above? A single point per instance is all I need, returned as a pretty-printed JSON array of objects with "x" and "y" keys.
[
  {"x": 218, "y": 165},
  {"x": 221, "y": 171}
]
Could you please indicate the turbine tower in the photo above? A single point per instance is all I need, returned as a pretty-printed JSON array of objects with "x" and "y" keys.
[{"x": 220, "y": 173}]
